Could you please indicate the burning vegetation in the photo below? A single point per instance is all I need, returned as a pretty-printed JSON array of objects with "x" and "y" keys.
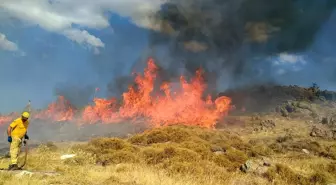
[{"x": 142, "y": 102}]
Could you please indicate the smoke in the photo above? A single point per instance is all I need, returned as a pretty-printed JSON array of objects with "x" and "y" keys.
[
  {"x": 78, "y": 96},
  {"x": 119, "y": 85},
  {"x": 231, "y": 39}
]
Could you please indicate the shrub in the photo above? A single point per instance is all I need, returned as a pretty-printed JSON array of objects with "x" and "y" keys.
[
  {"x": 47, "y": 147},
  {"x": 175, "y": 134},
  {"x": 108, "y": 143},
  {"x": 183, "y": 168},
  {"x": 283, "y": 145},
  {"x": 123, "y": 157},
  {"x": 199, "y": 146},
  {"x": 318, "y": 178},
  {"x": 157, "y": 136},
  {"x": 110, "y": 150},
  {"x": 270, "y": 174},
  {"x": 179, "y": 134},
  {"x": 289, "y": 175},
  {"x": 221, "y": 161},
  {"x": 331, "y": 152},
  {"x": 152, "y": 155},
  {"x": 138, "y": 139},
  {"x": 260, "y": 150},
  {"x": 184, "y": 155},
  {"x": 236, "y": 156},
  {"x": 328, "y": 168}
]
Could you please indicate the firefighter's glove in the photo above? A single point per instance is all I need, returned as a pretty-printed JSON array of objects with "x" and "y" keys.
[{"x": 9, "y": 139}]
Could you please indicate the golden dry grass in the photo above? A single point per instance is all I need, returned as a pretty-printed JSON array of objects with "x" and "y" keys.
[{"x": 179, "y": 155}]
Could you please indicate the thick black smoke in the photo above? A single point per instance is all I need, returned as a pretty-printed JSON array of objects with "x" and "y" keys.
[
  {"x": 223, "y": 36},
  {"x": 227, "y": 38}
]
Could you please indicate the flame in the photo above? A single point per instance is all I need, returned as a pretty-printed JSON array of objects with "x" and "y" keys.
[
  {"x": 61, "y": 110},
  {"x": 143, "y": 101},
  {"x": 7, "y": 118},
  {"x": 103, "y": 110}
]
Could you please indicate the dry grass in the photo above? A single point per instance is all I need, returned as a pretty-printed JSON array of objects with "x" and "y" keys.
[
  {"x": 178, "y": 149},
  {"x": 283, "y": 173},
  {"x": 183, "y": 155}
]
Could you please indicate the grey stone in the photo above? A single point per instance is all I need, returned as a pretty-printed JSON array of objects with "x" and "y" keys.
[
  {"x": 267, "y": 163},
  {"x": 305, "y": 151},
  {"x": 246, "y": 166},
  {"x": 219, "y": 153},
  {"x": 322, "y": 132}
]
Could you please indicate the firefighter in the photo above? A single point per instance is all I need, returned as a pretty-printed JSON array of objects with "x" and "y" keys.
[{"x": 17, "y": 131}]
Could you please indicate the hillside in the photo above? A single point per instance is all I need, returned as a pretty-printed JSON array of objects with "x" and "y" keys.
[
  {"x": 265, "y": 98},
  {"x": 291, "y": 143}
]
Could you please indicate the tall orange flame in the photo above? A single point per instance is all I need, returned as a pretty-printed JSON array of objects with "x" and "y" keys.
[{"x": 139, "y": 103}]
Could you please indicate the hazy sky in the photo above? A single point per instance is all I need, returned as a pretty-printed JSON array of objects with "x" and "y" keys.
[{"x": 89, "y": 42}]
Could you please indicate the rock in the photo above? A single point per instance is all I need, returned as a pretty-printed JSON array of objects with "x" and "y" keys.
[
  {"x": 246, "y": 166},
  {"x": 284, "y": 112},
  {"x": 267, "y": 163},
  {"x": 219, "y": 153},
  {"x": 329, "y": 120},
  {"x": 283, "y": 139},
  {"x": 290, "y": 108},
  {"x": 67, "y": 156},
  {"x": 325, "y": 121},
  {"x": 305, "y": 105},
  {"x": 255, "y": 118},
  {"x": 305, "y": 151},
  {"x": 322, "y": 98},
  {"x": 264, "y": 125},
  {"x": 322, "y": 131},
  {"x": 102, "y": 163},
  {"x": 215, "y": 148},
  {"x": 256, "y": 166}
]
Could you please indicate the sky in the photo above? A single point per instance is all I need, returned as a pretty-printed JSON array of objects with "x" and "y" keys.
[
  {"x": 315, "y": 65},
  {"x": 43, "y": 44},
  {"x": 48, "y": 43}
]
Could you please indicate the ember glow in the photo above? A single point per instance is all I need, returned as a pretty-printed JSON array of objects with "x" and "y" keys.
[{"x": 142, "y": 102}]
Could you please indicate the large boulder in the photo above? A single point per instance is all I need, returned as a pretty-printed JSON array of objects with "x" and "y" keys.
[
  {"x": 264, "y": 125},
  {"x": 256, "y": 166},
  {"x": 323, "y": 131},
  {"x": 329, "y": 120}
]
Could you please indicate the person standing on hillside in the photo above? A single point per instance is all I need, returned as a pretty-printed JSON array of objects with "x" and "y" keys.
[{"x": 17, "y": 131}]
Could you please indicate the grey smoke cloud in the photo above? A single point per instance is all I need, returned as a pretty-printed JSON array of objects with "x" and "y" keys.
[{"x": 231, "y": 39}]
